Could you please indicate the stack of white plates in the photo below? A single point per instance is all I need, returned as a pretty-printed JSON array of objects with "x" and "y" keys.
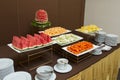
[
  {"x": 6, "y": 67},
  {"x": 111, "y": 40},
  {"x": 20, "y": 75},
  {"x": 100, "y": 36}
]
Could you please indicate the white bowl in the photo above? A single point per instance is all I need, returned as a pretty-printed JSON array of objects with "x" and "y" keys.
[
  {"x": 20, "y": 75},
  {"x": 44, "y": 72}
]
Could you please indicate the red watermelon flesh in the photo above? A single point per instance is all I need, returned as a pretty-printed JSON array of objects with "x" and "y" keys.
[
  {"x": 46, "y": 37},
  {"x": 36, "y": 35},
  {"x": 24, "y": 42},
  {"x": 42, "y": 40},
  {"x": 38, "y": 42},
  {"x": 16, "y": 42},
  {"x": 32, "y": 41}
]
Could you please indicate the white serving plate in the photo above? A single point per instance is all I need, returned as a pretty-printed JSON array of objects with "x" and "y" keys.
[
  {"x": 67, "y": 41},
  {"x": 89, "y": 33},
  {"x": 94, "y": 47},
  {"x": 30, "y": 49},
  {"x": 67, "y": 31}
]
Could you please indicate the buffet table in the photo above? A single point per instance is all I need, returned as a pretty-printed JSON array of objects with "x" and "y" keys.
[{"x": 102, "y": 67}]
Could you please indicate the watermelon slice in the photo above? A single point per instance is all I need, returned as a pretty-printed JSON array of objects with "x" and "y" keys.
[
  {"x": 16, "y": 42},
  {"x": 42, "y": 40},
  {"x": 46, "y": 37},
  {"x": 37, "y": 38},
  {"x": 32, "y": 41},
  {"x": 24, "y": 42}
]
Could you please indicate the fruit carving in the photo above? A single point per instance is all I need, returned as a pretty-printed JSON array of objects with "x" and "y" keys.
[
  {"x": 30, "y": 41},
  {"x": 41, "y": 19},
  {"x": 41, "y": 16},
  {"x": 80, "y": 47}
]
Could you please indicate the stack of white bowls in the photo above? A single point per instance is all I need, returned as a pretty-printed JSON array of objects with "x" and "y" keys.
[
  {"x": 6, "y": 67},
  {"x": 100, "y": 36},
  {"x": 111, "y": 40}
]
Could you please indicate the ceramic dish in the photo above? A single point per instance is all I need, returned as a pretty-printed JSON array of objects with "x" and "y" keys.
[
  {"x": 30, "y": 49},
  {"x": 94, "y": 47},
  {"x": 21, "y": 75},
  {"x": 68, "y": 69},
  {"x": 67, "y": 31},
  {"x": 66, "y": 39},
  {"x": 89, "y": 33},
  {"x": 53, "y": 77}
]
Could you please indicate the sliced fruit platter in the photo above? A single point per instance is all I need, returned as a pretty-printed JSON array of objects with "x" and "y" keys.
[
  {"x": 80, "y": 48},
  {"x": 54, "y": 31},
  {"x": 30, "y": 42},
  {"x": 65, "y": 39},
  {"x": 89, "y": 29}
]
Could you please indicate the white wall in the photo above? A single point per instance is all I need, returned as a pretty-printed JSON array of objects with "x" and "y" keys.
[{"x": 105, "y": 14}]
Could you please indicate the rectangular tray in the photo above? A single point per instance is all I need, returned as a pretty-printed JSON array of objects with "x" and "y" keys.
[
  {"x": 89, "y": 33},
  {"x": 57, "y": 34},
  {"x": 30, "y": 49},
  {"x": 94, "y": 47},
  {"x": 66, "y": 43}
]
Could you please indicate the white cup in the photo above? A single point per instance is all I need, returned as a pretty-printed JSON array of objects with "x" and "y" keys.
[
  {"x": 62, "y": 63},
  {"x": 44, "y": 72}
]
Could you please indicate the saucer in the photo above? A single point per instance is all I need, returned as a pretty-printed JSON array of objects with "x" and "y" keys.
[
  {"x": 107, "y": 48},
  {"x": 20, "y": 75},
  {"x": 53, "y": 77},
  {"x": 97, "y": 53},
  {"x": 68, "y": 69}
]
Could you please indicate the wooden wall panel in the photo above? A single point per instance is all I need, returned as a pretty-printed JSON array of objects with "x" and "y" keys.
[
  {"x": 8, "y": 20},
  {"x": 70, "y": 13},
  {"x": 17, "y": 15}
]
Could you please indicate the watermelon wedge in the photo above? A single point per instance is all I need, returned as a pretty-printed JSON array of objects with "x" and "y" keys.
[
  {"x": 46, "y": 37},
  {"x": 24, "y": 42},
  {"x": 16, "y": 42},
  {"x": 32, "y": 41},
  {"x": 37, "y": 38},
  {"x": 42, "y": 40}
]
